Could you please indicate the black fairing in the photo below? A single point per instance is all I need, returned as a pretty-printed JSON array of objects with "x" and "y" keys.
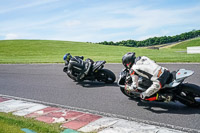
[
  {"x": 145, "y": 83},
  {"x": 172, "y": 77},
  {"x": 123, "y": 75},
  {"x": 98, "y": 65}
]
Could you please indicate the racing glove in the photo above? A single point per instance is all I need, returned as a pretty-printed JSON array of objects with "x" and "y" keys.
[{"x": 128, "y": 88}]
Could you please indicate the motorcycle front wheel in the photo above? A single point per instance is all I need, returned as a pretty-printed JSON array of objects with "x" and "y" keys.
[
  {"x": 130, "y": 95},
  {"x": 190, "y": 95},
  {"x": 105, "y": 75}
]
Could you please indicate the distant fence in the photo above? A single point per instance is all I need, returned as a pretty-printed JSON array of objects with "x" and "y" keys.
[{"x": 193, "y": 50}]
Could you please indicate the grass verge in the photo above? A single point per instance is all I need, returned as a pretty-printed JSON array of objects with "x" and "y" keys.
[
  {"x": 13, "y": 124},
  {"x": 48, "y": 51}
]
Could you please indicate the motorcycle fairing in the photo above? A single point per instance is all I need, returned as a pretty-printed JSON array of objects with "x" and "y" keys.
[
  {"x": 180, "y": 76},
  {"x": 98, "y": 65}
]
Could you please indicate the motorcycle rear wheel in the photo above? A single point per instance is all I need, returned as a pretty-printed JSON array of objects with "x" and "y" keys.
[
  {"x": 105, "y": 75},
  {"x": 191, "y": 94}
]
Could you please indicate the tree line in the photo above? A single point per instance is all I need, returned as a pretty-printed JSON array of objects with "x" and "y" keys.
[{"x": 155, "y": 40}]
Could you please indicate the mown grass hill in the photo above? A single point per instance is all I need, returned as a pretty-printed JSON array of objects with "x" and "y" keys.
[{"x": 49, "y": 51}]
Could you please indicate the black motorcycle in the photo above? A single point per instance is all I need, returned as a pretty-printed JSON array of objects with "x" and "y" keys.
[
  {"x": 188, "y": 94},
  {"x": 96, "y": 73}
]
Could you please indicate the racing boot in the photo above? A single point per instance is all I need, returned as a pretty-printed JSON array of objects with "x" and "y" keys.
[{"x": 164, "y": 97}]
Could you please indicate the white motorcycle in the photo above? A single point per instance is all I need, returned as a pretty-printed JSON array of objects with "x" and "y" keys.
[{"x": 188, "y": 94}]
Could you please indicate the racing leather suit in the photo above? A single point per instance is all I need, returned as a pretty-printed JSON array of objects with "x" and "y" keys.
[
  {"x": 77, "y": 65},
  {"x": 147, "y": 68}
]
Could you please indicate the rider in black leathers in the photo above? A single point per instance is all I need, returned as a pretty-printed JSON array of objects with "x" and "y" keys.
[{"x": 76, "y": 68}]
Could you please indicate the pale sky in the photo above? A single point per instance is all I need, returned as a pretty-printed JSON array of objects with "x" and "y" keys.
[{"x": 97, "y": 20}]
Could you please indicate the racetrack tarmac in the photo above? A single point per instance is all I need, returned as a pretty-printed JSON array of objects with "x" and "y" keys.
[{"x": 47, "y": 82}]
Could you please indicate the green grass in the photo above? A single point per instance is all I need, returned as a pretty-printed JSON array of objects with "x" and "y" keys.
[
  {"x": 46, "y": 51},
  {"x": 13, "y": 124},
  {"x": 189, "y": 43}
]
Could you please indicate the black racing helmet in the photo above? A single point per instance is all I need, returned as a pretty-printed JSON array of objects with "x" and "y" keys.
[{"x": 128, "y": 59}]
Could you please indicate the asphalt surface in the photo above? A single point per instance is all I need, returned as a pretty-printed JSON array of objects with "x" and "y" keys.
[{"x": 47, "y": 82}]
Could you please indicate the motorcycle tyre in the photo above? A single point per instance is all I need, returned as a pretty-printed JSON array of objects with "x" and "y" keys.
[
  {"x": 105, "y": 75},
  {"x": 191, "y": 91},
  {"x": 128, "y": 94}
]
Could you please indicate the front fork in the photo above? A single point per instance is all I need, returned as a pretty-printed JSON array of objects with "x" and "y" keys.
[{"x": 65, "y": 69}]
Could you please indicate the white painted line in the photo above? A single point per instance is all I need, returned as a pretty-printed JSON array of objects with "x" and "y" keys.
[
  {"x": 7, "y": 101},
  {"x": 99, "y": 124},
  {"x": 14, "y": 105},
  {"x": 125, "y": 126},
  {"x": 30, "y": 110}
]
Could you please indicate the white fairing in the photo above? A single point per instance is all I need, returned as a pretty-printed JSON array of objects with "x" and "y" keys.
[
  {"x": 180, "y": 76},
  {"x": 182, "y": 73}
]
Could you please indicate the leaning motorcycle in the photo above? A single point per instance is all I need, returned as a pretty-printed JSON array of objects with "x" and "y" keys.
[
  {"x": 186, "y": 93},
  {"x": 97, "y": 73}
]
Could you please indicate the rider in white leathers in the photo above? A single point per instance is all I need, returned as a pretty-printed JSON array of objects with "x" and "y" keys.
[{"x": 146, "y": 68}]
